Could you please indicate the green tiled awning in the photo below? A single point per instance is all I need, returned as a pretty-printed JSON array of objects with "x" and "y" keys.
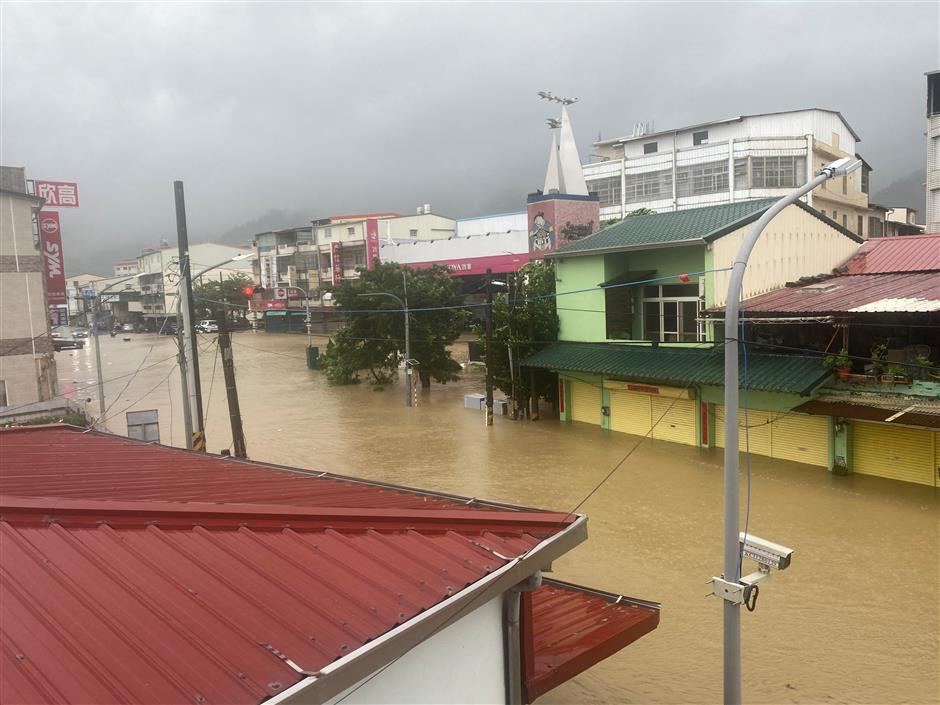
[{"x": 682, "y": 367}]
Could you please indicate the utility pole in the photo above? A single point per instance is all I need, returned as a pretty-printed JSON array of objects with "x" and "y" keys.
[
  {"x": 231, "y": 391},
  {"x": 197, "y": 439},
  {"x": 510, "y": 291},
  {"x": 533, "y": 395},
  {"x": 489, "y": 347}
]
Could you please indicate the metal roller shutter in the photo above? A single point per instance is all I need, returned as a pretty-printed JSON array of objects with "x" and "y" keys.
[
  {"x": 674, "y": 420},
  {"x": 895, "y": 452},
  {"x": 585, "y": 401},
  {"x": 759, "y": 428},
  {"x": 629, "y": 412},
  {"x": 801, "y": 438}
]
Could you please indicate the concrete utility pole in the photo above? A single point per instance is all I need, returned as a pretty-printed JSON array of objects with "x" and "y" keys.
[
  {"x": 510, "y": 293},
  {"x": 94, "y": 313},
  {"x": 197, "y": 438},
  {"x": 533, "y": 395},
  {"x": 731, "y": 540},
  {"x": 231, "y": 391},
  {"x": 489, "y": 346}
]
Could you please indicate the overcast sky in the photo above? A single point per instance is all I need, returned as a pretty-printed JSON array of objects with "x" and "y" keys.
[{"x": 328, "y": 108}]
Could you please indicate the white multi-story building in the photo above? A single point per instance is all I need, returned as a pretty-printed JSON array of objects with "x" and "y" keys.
[
  {"x": 741, "y": 158},
  {"x": 158, "y": 277},
  {"x": 125, "y": 268},
  {"x": 933, "y": 152}
]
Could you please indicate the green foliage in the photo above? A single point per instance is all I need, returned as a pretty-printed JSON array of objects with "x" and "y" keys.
[
  {"x": 879, "y": 351},
  {"x": 526, "y": 319},
  {"x": 228, "y": 292},
  {"x": 838, "y": 361},
  {"x": 375, "y": 326},
  {"x": 641, "y": 211}
]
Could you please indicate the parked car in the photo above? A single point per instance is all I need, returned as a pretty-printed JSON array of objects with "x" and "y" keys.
[
  {"x": 168, "y": 328},
  {"x": 127, "y": 328},
  {"x": 207, "y": 327},
  {"x": 60, "y": 343},
  {"x": 80, "y": 333}
]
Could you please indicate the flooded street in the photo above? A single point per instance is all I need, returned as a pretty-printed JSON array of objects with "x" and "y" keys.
[{"x": 854, "y": 620}]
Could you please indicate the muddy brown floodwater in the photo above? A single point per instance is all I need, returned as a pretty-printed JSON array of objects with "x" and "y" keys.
[{"x": 854, "y": 619}]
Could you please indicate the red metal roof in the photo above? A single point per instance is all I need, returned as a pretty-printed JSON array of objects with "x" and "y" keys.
[
  {"x": 891, "y": 255},
  {"x": 59, "y": 462},
  {"x": 859, "y": 293},
  {"x": 573, "y": 628},
  {"x": 138, "y": 573}
]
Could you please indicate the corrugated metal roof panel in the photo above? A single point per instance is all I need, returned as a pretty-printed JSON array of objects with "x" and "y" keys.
[
  {"x": 858, "y": 293},
  {"x": 574, "y": 628},
  {"x": 682, "y": 367},
  {"x": 132, "y": 606},
  {"x": 60, "y": 462},
  {"x": 888, "y": 255}
]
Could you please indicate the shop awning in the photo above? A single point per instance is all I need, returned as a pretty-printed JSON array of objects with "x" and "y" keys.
[
  {"x": 628, "y": 278},
  {"x": 568, "y": 628}
]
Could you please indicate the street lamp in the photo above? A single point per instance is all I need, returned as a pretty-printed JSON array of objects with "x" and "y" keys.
[
  {"x": 408, "y": 361},
  {"x": 94, "y": 318},
  {"x": 307, "y": 320},
  {"x": 732, "y": 551},
  {"x": 192, "y": 403}
]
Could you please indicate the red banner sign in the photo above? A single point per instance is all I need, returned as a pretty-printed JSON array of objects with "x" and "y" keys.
[
  {"x": 372, "y": 243},
  {"x": 336, "y": 261},
  {"x": 267, "y": 305},
  {"x": 58, "y": 194},
  {"x": 53, "y": 266}
]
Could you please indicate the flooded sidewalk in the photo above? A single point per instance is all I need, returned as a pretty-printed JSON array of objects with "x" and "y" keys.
[{"x": 854, "y": 620}]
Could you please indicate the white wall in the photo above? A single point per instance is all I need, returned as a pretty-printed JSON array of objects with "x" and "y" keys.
[
  {"x": 498, "y": 223},
  {"x": 515, "y": 242},
  {"x": 460, "y": 665}
]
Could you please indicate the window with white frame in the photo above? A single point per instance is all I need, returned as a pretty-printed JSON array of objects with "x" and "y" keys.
[
  {"x": 648, "y": 186},
  {"x": 413, "y": 232},
  {"x": 671, "y": 313},
  {"x": 651, "y": 148},
  {"x": 327, "y": 233},
  {"x": 607, "y": 190},
  {"x": 698, "y": 179},
  {"x": 777, "y": 172},
  {"x": 350, "y": 231},
  {"x": 700, "y": 137}
]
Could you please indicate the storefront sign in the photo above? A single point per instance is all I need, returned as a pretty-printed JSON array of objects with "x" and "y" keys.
[
  {"x": 499, "y": 264},
  {"x": 58, "y": 194},
  {"x": 53, "y": 266},
  {"x": 336, "y": 260},
  {"x": 269, "y": 305},
  {"x": 372, "y": 243}
]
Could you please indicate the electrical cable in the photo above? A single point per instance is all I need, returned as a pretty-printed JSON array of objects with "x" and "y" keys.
[
  {"x": 128, "y": 383},
  {"x": 139, "y": 399},
  {"x": 215, "y": 359}
]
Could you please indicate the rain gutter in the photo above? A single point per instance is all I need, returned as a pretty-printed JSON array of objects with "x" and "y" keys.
[{"x": 348, "y": 671}]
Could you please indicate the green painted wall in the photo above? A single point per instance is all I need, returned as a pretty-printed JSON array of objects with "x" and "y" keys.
[{"x": 581, "y": 316}]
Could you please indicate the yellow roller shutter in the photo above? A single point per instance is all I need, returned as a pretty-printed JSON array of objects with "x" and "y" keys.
[
  {"x": 585, "y": 402},
  {"x": 758, "y": 430},
  {"x": 801, "y": 438},
  {"x": 896, "y": 452},
  {"x": 629, "y": 412},
  {"x": 674, "y": 420}
]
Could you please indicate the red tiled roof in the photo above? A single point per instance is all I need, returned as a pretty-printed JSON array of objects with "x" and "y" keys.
[
  {"x": 860, "y": 293},
  {"x": 139, "y": 573},
  {"x": 890, "y": 255}
]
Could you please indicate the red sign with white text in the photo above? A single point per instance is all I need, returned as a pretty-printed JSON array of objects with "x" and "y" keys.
[
  {"x": 58, "y": 194},
  {"x": 267, "y": 305},
  {"x": 372, "y": 243},
  {"x": 336, "y": 261},
  {"x": 478, "y": 265},
  {"x": 53, "y": 266}
]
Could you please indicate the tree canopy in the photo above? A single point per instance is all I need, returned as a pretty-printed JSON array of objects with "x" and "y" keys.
[
  {"x": 526, "y": 319},
  {"x": 227, "y": 294},
  {"x": 374, "y": 333}
]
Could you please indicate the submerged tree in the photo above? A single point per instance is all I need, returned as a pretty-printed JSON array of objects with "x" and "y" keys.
[
  {"x": 374, "y": 333},
  {"x": 525, "y": 319}
]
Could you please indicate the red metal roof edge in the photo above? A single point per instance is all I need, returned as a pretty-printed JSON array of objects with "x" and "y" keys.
[
  {"x": 136, "y": 512},
  {"x": 469, "y": 501},
  {"x": 349, "y": 670}
]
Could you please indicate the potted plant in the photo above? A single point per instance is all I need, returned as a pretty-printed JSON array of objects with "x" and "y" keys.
[
  {"x": 840, "y": 363},
  {"x": 895, "y": 374},
  {"x": 925, "y": 369}
]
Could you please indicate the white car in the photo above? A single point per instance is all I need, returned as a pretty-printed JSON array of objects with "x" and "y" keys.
[{"x": 207, "y": 327}]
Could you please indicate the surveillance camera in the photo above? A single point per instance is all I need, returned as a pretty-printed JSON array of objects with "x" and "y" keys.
[{"x": 767, "y": 553}]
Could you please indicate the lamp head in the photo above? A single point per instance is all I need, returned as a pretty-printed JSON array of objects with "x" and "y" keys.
[{"x": 841, "y": 167}]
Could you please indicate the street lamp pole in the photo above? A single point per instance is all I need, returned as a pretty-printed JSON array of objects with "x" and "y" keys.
[
  {"x": 408, "y": 361},
  {"x": 307, "y": 320},
  {"x": 94, "y": 317},
  {"x": 732, "y": 551}
]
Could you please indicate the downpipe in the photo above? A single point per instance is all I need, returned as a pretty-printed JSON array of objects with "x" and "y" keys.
[{"x": 512, "y": 636}]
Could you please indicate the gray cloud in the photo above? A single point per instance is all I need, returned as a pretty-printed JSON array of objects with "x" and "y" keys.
[{"x": 325, "y": 108}]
